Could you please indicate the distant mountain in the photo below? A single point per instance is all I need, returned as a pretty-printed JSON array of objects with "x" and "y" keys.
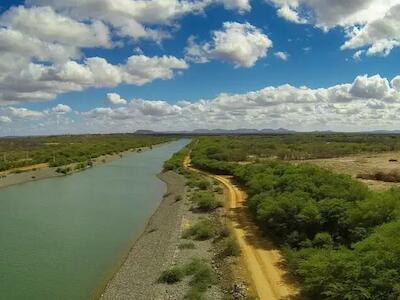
[{"x": 219, "y": 131}]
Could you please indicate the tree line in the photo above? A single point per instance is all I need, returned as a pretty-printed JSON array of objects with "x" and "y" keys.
[
  {"x": 340, "y": 239},
  {"x": 63, "y": 150}
]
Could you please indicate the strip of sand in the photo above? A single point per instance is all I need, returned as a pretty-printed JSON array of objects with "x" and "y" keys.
[{"x": 154, "y": 250}]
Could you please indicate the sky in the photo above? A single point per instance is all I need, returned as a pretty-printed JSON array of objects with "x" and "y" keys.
[{"x": 102, "y": 66}]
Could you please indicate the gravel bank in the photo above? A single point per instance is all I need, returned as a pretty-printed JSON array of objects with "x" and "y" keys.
[{"x": 154, "y": 251}]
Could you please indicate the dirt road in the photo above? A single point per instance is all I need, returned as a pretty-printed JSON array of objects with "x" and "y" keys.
[{"x": 262, "y": 259}]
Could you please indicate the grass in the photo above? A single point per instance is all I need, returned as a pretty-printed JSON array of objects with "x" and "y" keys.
[
  {"x": 187, "y": 245},
  {"x": 206, "y": 201},
  {"x": 201, "y": 273},
  {"x": 204, "y": 229}
]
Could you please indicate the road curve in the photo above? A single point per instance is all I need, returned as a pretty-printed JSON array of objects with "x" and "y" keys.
[{"x": 262, "y": 259}]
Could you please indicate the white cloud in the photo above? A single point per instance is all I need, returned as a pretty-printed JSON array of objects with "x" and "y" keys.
[
  {"x": 239, "y": 43},
  {"x": 374, "y": 87},
  {"x": 395, "y": 83},
  {"x": 350, "y": 106},
  {"x": 282, "y": 55},
  {"x": 37, "y": 82},
  {"x": 48, "y": 26},
  {"x": 286, "y": 12},
  {"x": 115, "y": 99},
  {"x": 140, "y": 18},
  {"x": 5, "y": 119},
  {"x": 61, "y": 109},
  {"x": 240, "y": 5},
  {"x": 24, "y": 113},
  {"x": 371, "y": 24}
]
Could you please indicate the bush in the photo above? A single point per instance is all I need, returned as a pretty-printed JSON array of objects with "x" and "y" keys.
[
  {"x": 204, "y": 229},
  {"x": 231, "y": 247},
  {"x": 172, "y": 275},
  {"x": 186, "y": 245},
  {"x": 205, "y": 201},
  {"x": 202, "y": 278}
]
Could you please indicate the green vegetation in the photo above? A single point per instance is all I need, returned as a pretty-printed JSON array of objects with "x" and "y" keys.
[
  {"x": 175, "y": 163},
  {"x": 340, "y": 239},
  {"x": 205, "y": 201},
  {"x": 172, "y": 275},
  {"x": 187, "y": 245},
  {"x": 231, "y": 247},
  {"x": 202, "y": 277},
  {"x": 64, "y": 150},
  {"x": 204, "y": 229},
  {"x": 292, "y": 146}
]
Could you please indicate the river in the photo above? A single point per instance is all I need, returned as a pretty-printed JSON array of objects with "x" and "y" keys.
[{"x": 62, "y": 238}]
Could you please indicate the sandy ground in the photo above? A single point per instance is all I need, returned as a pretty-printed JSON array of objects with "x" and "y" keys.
[
  {"x": 262, "y": 259},
  {"x": 362, "y": 164},
  {"x": 154, "y": 251}
]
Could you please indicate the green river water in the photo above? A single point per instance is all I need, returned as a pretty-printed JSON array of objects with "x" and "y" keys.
[{"x": 62, "y": 238}]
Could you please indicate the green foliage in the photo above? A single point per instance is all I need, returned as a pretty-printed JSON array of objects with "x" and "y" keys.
[
  {"x": 231, "y": 247},
  {"x": 172, "y": 275},
  {"x": 340, "y": 239},
  {"x": 204, "y": 229},
  {"x": 205, "y": 201},
  {"x": 202, "y": 278},
  {"x": 175, "y": 163},
  {"x": 65, "y": 150}
]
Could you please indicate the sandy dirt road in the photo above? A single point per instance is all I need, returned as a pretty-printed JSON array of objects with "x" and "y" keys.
[{"x": 262, "y": 259}]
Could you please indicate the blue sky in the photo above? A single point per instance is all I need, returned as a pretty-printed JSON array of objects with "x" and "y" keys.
[{"x": 308, "y": 33}]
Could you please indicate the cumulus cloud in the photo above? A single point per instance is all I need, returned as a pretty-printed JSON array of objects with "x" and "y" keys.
[
  {"x": 5, "y": 119},
  {"x": 239, "y": 43},
  {"x": 115, "y": 99},
  {"x": 137, "y": 19},
  {"x": 35, "y": 82},
  {"x": 370, "y": 24},
  {"x": 340, "y": 107},
  {"x": 45, "y": 40},
  {"x": 369, "y": 102},
  {"x": 24, "y": 113},
  {"x": 282, "y": 55},
  {"x": 61, "y": 109}
]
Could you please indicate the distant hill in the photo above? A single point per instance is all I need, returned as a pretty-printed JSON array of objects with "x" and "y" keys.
[{"x": 219, "y": 131}]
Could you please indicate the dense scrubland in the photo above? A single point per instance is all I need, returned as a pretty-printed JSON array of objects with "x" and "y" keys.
[
  {"x": 296, "y": 146},
  {"x": 340, "y": 239},
  {"x": 64, "y": 150}
]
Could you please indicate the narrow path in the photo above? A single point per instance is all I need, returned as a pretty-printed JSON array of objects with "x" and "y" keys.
[{"x": 262, "y": 259}]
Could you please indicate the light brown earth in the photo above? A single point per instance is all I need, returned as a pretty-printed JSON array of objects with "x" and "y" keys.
[
  {"x": 362, "y": 164},
  {"x": 263, "y": 261}
]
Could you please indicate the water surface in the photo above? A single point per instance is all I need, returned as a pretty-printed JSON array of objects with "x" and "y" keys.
[{"x": 61, "y": 238}]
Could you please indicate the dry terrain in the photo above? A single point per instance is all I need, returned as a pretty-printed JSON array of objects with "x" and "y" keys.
[{"x": 363, "y": 164}]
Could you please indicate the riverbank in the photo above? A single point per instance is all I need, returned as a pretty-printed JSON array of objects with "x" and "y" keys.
[
  {"x": 162, "y": 246},
  {"x": 9, "y": 178},
  {"x": 155, "y": 249}
]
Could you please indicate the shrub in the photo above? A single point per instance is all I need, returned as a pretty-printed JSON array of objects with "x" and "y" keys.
[
  {"x": 206, "y": 201},
  {"x": 231, "y": 247},
  {"x": 204, "y": 229},
  {"x": 173, "y": 275},
  {"x": 202, "y": 278},
  {"x": 186, "y": 245}
]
